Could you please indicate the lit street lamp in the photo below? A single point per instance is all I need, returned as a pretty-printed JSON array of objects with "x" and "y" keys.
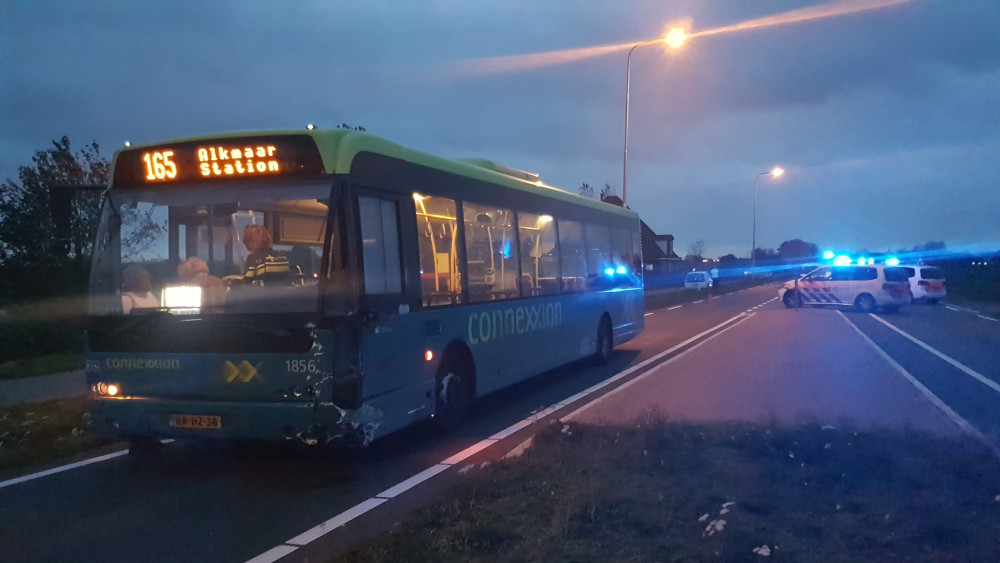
[
  {"x": 673, "y": 39},
  {"x": 775, "y": 172}
]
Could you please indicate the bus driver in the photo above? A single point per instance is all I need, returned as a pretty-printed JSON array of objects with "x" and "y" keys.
[{"x": 263, "y": 265}]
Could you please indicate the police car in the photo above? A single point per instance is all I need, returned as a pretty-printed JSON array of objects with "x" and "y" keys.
[{"x": 864, "y": 287}]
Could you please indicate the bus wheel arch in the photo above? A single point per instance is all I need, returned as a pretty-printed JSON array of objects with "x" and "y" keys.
[
  {"x": 455, "y": 385},
  {"x": 605, "y": 341}
]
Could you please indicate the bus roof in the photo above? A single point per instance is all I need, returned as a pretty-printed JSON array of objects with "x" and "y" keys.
[{"x": 338, "y": 147}]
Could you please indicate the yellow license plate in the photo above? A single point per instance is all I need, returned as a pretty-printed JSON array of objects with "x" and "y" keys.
[{"x": 197, "y": 421}]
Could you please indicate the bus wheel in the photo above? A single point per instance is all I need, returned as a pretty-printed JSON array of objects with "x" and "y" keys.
[
  {"x": 605, "y": 342},
  {"x": 455, "y": 389}
]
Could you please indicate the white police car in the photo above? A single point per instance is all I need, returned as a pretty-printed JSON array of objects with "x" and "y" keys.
[
  {"x": 864, "y": 287},
  {"x": 926, "y": 283}
]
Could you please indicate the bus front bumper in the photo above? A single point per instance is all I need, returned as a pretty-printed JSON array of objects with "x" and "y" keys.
[{"x": 306, "y": 422}]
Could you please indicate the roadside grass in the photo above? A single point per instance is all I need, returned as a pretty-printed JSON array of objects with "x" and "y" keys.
[
  {"x": 719, "y": 492},
  {"x": 39, "y": 434},
  {"x": 41, "y": 365}
]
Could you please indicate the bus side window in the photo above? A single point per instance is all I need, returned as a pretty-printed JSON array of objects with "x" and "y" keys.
[
  {"x": 380, "y": 246},
  {"x": 598, "y": 256},
  {"x": 491, "y": 252},
  {"x": 622, "y": 259},
  {"x": 436, "y": 235},
  {"x": 572, "y": 253},
  {"x": 539, "y": 254}
]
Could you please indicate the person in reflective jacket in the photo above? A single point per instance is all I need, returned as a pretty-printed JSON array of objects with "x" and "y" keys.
[{"x": 263, "y": 266}]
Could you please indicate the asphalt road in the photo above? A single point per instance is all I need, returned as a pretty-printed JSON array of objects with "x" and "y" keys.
[{"x": 739, "y": 356}]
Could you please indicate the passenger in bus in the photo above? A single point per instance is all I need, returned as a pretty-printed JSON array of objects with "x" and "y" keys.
[
  {"x": 263, "y": 266},
  {"x": 137, "y": 290},
  {"x": 194, "y": 271}
]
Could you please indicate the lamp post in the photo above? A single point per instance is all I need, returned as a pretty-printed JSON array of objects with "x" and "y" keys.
[
  {"x": 673, "y": 39},
  {"x": 775, "y": 172}
]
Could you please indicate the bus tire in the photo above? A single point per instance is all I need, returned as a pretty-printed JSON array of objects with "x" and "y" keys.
[
  {"x": 455, "y": 388},
  {"x": 605, "y": 342}
]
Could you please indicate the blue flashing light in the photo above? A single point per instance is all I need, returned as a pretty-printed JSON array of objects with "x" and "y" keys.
[
  {"x": 842, "y": 260},
  {"x": 892, "y": 261},
  {"x": 828, "y": 255},
  {"x": 621, "y": 270},
  {"x": 871, "y": 261},
  {"x": 862, "y": 260},
  {"x": 609, "y": 271}
]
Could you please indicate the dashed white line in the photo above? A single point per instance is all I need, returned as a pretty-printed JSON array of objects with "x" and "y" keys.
[{"x": 674, "y": 307}]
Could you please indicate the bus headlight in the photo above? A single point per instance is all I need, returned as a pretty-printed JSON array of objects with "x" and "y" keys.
[{"x": 106, "y": 389}]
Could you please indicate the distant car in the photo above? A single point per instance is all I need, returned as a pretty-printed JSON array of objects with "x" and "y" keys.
[
  {"x": 697, "y": 280},
  {"x": 863, "y": 287},
  {"x": 926, "y": 283}
]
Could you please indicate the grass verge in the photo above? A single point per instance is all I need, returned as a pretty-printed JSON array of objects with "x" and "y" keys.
[
  {"x": 719, "y": 492},
  {"x": 39, "y": 434},
  {"x": 41, "y": 365}
]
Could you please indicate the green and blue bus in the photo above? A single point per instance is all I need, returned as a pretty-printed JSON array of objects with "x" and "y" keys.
[{"x": 413, "y": 285}]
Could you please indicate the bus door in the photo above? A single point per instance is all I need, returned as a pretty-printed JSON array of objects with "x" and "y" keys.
[{"x": 393, "y": 340}]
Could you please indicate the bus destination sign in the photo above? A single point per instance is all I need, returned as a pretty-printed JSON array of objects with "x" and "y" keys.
[{"x": 218, "y": 160}]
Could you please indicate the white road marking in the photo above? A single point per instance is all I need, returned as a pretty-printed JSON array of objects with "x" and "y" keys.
[
  {"x": 934, "y": 399},
  {"x": 648, "y": 373},
  {"x": 647, "y": 314},
  {"x": 958, "y": 309},
  {"x": 965, "y": 369},
  {"x": 61, "y": 468},
  {"x": 674, "y": 307}
]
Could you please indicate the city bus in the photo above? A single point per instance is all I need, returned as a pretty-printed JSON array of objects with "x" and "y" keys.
[{"x": 409, "y": 286}]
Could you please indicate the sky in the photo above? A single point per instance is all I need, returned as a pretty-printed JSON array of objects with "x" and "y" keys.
[{"x": 886, "y": 118}]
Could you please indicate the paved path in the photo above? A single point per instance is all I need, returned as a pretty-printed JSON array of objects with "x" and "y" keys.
[
  {"x": 778, "y": 367},
  {"x": 42, "y": 388}
]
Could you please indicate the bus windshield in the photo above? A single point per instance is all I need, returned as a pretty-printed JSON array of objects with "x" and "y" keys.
[{"x": 211, "y": 250}]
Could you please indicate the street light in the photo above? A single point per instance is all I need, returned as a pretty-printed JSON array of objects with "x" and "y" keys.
[
  {"x": 673, "y": 39},
  {"x": 775, "y": 172}
]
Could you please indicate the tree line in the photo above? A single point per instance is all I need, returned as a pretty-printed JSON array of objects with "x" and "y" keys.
[{"x": 47, "y": 226}]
